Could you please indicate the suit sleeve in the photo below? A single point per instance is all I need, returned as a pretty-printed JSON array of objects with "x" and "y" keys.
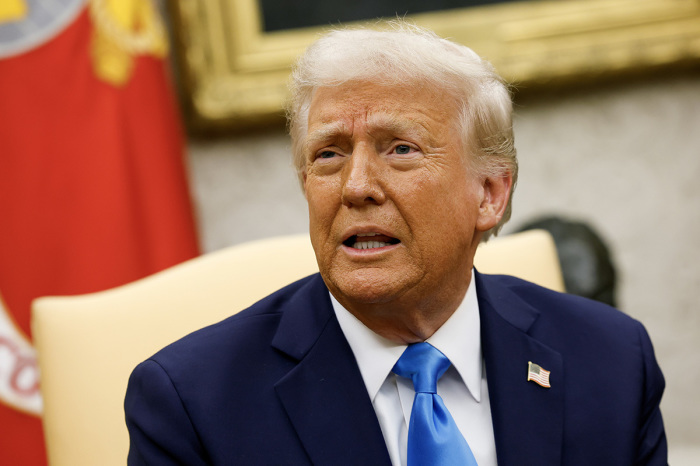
[
  {"x": 160, "y": 429},
  {"x": 651, "y": 445}
]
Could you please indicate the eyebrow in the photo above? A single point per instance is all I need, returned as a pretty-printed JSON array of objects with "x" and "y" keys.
[
  {"x": 389, "y": 123},
  {"x": 404, "y": 128},
  {"x": 377, "y": 122},
  {"x": 326, "y": 132}
]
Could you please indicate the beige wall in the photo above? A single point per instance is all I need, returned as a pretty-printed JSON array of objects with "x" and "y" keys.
[{"x": 625, "y": 158}]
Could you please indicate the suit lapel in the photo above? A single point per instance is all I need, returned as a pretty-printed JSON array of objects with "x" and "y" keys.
[
  {"x": 527, "y": 418},
  {"x": 327, "y": 402},
  {"x": 324, "y": 395}
]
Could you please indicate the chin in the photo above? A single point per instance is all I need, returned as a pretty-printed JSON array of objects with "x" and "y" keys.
[{"x": 366, "y": 287}]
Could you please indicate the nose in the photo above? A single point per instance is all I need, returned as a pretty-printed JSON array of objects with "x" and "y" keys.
[{"x": 361, "y": 183}]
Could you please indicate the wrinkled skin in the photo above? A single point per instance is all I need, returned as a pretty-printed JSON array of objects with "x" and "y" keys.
[{"x": 388, "y": 161}]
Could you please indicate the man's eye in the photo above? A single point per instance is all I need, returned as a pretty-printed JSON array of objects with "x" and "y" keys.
[
  {"x": 326, "y": 154},
  {"x": 402, "y": 149}
]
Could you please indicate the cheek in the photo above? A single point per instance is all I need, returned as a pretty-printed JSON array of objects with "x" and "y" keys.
[
  {"x": 446, "y": 214},
  {"x": 323, "y": 202}
]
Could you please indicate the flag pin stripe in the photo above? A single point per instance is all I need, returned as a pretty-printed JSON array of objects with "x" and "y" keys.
[{"x": 537, "y": 374}]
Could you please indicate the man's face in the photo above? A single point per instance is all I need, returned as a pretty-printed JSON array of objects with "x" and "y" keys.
[{"x": 395, "y": 213}]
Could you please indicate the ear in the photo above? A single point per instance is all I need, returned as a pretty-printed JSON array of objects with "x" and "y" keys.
[{"x": 496, "y": 192}]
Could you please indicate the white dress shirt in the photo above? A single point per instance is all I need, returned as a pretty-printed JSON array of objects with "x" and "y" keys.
[{"x": 463, "y": 387}]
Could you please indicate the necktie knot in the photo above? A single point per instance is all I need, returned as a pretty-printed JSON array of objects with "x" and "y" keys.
[{"x": 424, "y": 365}]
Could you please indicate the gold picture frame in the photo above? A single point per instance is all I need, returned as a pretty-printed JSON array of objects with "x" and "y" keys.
[{"x": 234, "y": 74}]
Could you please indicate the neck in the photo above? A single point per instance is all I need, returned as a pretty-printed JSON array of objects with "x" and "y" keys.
[{"x": 408, "y": 320}]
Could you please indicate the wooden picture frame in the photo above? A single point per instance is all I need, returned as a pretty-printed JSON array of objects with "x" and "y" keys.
[{"x": 234, "y": 74}]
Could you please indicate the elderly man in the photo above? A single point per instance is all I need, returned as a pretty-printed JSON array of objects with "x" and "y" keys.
[{"x": 399, "y": 352}]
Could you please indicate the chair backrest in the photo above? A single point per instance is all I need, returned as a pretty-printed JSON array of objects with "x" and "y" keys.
[{"x": 89, "y": 344}]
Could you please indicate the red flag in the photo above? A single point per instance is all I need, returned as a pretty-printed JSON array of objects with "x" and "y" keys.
[{"x": 93, "y": 191}]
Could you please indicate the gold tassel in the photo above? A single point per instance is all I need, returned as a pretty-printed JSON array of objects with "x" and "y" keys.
[
  {"x": 122, "y": 30},
  {"x": 12, "y": 10}
]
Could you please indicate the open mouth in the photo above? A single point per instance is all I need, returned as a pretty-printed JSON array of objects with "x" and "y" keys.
[{"x": 369, "y": 241}]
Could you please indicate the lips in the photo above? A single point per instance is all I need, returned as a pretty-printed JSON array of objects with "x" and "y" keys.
[{"x": 371, "y": 240}]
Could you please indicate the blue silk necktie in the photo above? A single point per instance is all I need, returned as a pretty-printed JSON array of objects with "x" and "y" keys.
[{"x": 433, "y": 436}]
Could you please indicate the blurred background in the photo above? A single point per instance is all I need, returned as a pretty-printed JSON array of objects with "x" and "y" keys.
[{"x": 617, "y": 150}]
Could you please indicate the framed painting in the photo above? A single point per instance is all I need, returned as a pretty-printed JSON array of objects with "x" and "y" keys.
[{"x": 235, "y": 55}]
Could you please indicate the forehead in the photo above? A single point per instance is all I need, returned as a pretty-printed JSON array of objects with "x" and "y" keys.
[{"x": 380, "y": 107}]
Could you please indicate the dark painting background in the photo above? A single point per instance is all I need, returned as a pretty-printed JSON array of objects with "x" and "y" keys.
[{"x": 291, "y": 14}]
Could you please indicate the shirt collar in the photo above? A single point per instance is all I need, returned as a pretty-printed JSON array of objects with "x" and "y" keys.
[{"x": 459, "y": 339}]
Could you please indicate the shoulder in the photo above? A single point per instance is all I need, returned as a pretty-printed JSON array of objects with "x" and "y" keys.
[
  {"x": 566, "y": 323},
  {"x": 551, "y": 304},
  {"x": 212, "y": 391},
  {"x": 608, "y": 367}
]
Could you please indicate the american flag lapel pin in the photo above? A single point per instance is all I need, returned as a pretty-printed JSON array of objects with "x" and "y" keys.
[{"x": 538, "y": 375}]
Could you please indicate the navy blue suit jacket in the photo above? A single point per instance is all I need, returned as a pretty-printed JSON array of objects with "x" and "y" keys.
[{"x": 278, "y": 384}]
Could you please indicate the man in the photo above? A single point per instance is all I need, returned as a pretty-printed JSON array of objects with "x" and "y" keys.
[{"x": 404, "y": 146}]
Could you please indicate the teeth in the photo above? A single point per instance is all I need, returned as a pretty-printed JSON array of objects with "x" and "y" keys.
[
  {"x": 369, "y": 244},
  {"x": 367, "y": 234}
]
